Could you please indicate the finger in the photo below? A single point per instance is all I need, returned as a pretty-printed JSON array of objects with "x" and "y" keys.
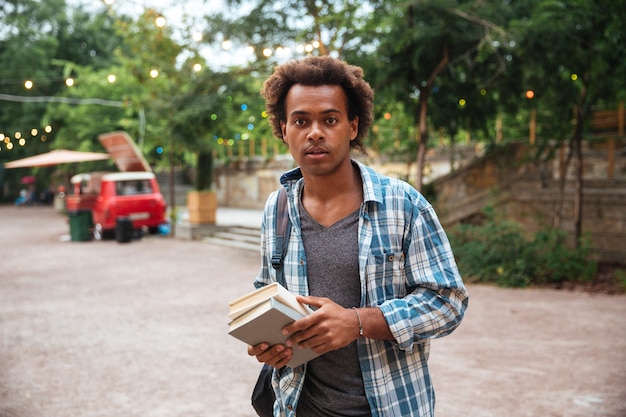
[
  {"x": 316, "y": 344},
  {"x": 312, "y": 300},
  {"x": 274, "y": 355},
  {"x": 280, "y": 359},
  {"x": 284, "y": 360},
  {"x": 258, "y": 349}
]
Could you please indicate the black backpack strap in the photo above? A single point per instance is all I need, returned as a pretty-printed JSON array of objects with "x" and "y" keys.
[{"x": 283, "y": 229}]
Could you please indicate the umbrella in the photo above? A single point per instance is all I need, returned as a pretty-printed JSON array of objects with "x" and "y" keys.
[
  {"x": 29, "y": 179},
  {"x": 61, "y": 156}
]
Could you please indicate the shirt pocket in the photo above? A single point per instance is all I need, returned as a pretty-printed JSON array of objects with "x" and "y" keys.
[{"x": 385, "y": 275}]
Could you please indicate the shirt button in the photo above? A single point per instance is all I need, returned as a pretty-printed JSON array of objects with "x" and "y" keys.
[
  {"x": 290, "y": 407},
  {"x": 390, "y": 258}
]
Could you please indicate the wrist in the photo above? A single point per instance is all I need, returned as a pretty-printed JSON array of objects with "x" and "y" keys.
[{"x": 360, "y": 322}]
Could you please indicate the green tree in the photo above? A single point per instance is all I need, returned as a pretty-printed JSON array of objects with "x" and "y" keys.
[
  {"x": 572, "y": 53},
  {"x": 327, "y": 27},
  {"x": 41, "y": 42},
  {"x": 137, "y": 99},
  {"x": 440, "y": 53}
]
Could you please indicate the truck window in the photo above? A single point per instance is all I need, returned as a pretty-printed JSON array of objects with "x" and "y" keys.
[{"x": 133, "y": 187}]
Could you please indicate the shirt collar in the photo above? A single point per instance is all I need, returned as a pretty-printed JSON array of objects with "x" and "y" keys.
[{"x": 372, "y": 190}]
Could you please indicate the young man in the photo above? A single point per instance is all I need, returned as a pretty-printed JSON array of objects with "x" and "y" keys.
[{"x": 367, "y": 252}]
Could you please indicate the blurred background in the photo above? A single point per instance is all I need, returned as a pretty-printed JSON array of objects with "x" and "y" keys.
[{"x": 507, "y": 115}]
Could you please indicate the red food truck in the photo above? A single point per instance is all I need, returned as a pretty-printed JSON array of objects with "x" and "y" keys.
[{"x": 116, "y": 203}]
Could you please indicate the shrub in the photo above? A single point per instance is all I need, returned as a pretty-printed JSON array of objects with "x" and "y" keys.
[{"x": 497, "y": 251}]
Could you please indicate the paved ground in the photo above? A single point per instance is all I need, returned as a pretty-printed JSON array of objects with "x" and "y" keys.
[{"x": 139, "y": 329}]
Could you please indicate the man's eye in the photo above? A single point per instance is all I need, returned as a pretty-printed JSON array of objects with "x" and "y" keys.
[
  {"x": 298, "y": 122},
  {"x": 332, "y": 120}
]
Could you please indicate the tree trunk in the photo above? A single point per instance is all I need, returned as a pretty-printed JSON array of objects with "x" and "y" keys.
[
  {"x": 578, "y": 187},
  {"x": 422, "y": 138},
  {"x": 423, "y": 114},
  {"x": 581, "y": 111},
  {"x": 171, "y": 188},
  {"x": 556, "y": 222}
]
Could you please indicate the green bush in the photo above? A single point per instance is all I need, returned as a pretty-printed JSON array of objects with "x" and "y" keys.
[
  {"x": 497, "y": 251},
  {"x": 620, "y": 277}
]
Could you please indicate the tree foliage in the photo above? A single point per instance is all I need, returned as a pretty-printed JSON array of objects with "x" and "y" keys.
[{"x": 447, "y": 66}]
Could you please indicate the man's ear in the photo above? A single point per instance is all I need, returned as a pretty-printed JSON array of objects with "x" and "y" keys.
[
  {"x": 354, "y": 127},
  {"x": 283, "y": 131}
]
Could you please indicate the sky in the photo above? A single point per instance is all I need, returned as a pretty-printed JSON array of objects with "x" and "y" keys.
[
  {"x": 177, "y": 14},
  {"x": 185, "y": 13}
]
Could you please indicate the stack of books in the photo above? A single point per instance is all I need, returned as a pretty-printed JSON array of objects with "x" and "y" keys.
[{"x": 260, "y": 316}]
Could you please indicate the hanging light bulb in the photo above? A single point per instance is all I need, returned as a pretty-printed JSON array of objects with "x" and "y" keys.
[{"x": 159, "y": 21}]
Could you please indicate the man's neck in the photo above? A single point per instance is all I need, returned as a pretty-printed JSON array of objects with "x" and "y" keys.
[{"x": 329, "y": 199}]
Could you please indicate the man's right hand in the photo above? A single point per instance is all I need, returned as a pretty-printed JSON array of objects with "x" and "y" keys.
[{"x": 276, "y": 356}]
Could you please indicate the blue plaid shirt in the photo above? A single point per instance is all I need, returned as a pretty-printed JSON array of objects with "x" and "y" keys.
[{"x": 406, "y": 269}]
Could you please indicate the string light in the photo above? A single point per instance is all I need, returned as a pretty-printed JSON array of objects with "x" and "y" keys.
[
  {"x": 159, "y": 21},
  {"x": 21, "y": 140},
  {"x": 281, "y": 52}
]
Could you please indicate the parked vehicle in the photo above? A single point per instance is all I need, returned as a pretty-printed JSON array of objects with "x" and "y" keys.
[{"x": 133, "y": 196}]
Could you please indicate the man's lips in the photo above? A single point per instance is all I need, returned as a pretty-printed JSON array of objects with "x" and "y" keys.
[{"x": 315, "y": 151}]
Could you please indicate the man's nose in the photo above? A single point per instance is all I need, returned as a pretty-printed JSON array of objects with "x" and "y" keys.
[{"x": 316, "y": 133}]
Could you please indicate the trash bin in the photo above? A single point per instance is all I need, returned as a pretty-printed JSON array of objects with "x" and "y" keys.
[
  {"x": 123, "y": 229},
  {"x": 80, "y": 225}
]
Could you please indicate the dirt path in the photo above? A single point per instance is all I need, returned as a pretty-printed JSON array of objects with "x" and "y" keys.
[{"x": 139, "y": 329}]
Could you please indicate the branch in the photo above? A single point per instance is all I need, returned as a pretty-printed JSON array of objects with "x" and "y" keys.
[
  {"x": 64, "y": 100},
  {"x": 478, "y": 20}
]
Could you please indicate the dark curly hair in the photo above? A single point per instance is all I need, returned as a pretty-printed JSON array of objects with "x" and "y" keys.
[{"x": 320, "y": 70}]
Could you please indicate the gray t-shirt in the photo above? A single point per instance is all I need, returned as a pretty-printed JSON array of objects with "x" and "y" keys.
[{"x": 334, "y": 384}]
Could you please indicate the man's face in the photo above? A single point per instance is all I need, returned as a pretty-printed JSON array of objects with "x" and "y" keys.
[{"x": 318, "y": 130}]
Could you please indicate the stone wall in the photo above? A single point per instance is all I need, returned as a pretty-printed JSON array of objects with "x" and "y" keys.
[
  {"x": 506, "y": 178},
  {"x": 528, "y": 192},
  {"x": 247, "y": 184}
]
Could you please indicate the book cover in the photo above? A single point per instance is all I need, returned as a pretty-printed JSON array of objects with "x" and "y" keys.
[
  {"x": 264, "y": 323},
  {"x": 248, "y": 301}
]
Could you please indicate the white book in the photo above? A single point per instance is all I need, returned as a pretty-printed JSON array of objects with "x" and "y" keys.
[
  {"x": 264, "y": 323},
  {"x": 240, "y": 305}
]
